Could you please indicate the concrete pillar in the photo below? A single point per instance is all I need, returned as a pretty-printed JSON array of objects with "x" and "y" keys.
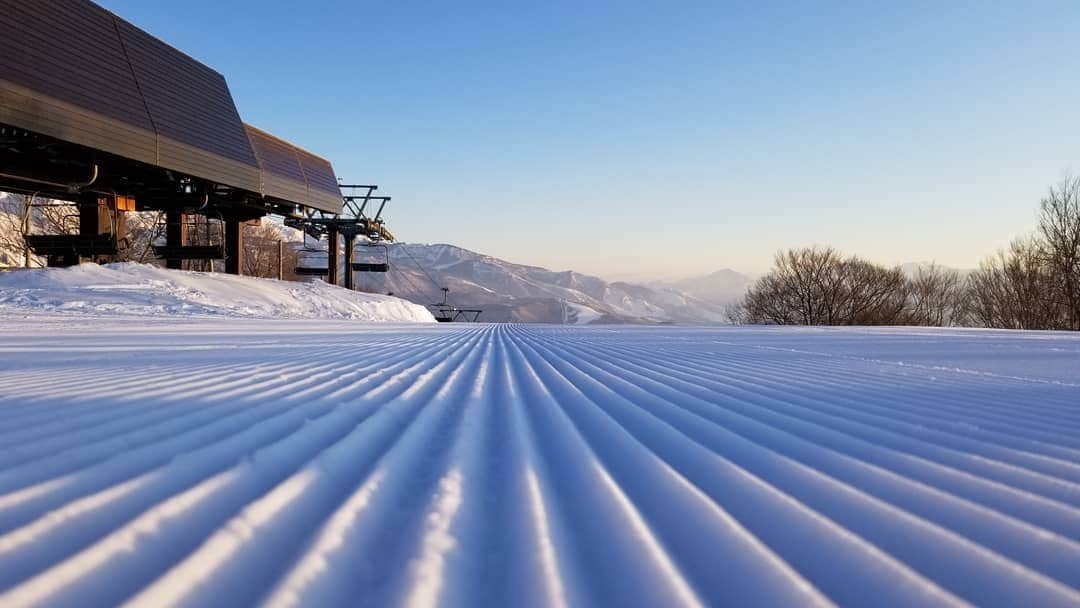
[
  {"x": 234, "y": 246},
  {"x": 332, "y": 256},
  {"x": 175, "y": 235},
  {"x": 350, "y": 243}
]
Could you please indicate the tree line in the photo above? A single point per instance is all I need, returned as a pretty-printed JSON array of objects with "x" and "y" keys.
[{"x": 1034, "y": 283}]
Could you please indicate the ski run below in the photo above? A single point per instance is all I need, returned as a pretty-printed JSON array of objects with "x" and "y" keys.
[{"x": 233, "y": 462}]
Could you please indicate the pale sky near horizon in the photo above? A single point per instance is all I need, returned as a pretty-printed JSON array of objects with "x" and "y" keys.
[{"x": 642, "y": 139}]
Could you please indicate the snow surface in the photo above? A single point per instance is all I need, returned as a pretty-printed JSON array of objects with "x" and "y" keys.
[
  {"x": 138, "y": 289},
  {"x": 303, "y": 463}
]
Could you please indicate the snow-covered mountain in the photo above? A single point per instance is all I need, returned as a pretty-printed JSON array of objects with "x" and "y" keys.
[
  {"x": 516, "y": 292},
  {"x": 720, "y": 288}
]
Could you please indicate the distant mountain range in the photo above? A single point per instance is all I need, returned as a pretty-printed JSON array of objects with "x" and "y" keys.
[
  {"x": 520, "y": 293},
  {"x": 721, "y": 287}
]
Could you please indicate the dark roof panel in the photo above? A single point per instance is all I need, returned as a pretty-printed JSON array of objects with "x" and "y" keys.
[
  {"x": 319, "y": 172},
  {"x": 275, "y": 155},
  {"x": 291, "y": 173},
  {"x": 69, "y": 50},
  {"x": 72, "y": 70},
  {"x": 187, "y": 101}
]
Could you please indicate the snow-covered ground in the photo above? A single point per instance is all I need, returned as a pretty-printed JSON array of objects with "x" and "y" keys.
[
  {"x": 139, "y": 290},
  {"x": 233, "y": 461}
]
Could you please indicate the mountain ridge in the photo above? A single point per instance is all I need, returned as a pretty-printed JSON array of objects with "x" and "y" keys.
[{"x": 509, "y": 291}]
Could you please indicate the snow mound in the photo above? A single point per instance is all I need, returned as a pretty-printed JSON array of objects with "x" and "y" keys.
[{"x": 142, "y": 290}]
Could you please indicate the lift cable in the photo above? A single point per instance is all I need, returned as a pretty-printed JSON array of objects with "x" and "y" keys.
[
  {"x": 420, "y": 266},
  {"x": 415, "y": 290}
]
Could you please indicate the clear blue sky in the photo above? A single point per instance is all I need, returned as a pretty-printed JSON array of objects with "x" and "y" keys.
[{"x": 640, "y": 138}]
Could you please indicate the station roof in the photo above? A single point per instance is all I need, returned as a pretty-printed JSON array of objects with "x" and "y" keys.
[
  {"x": 71, "y": 70},
  {"x": 289, "y": 172}
]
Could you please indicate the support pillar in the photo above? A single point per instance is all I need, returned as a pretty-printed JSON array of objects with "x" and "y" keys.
[
  {"x": 175, "y": 235},
  {"x": 234, "y": 246},
  {"x": 93, "y": 215},
  {"x": 280, "y": 260},
  {"x": 93, "y": 221},
  {"x": 350, "y": 276},
  {"x": 332, "y": 256}
]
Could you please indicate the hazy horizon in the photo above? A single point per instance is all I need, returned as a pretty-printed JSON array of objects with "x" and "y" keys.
[{"x": 649, "y": 139}]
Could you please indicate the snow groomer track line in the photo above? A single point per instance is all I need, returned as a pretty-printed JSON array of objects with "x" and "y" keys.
[{"x": 533, "y": 465}]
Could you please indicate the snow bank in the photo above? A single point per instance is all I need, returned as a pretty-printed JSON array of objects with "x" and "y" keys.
[{"x": 137, "y": 289}]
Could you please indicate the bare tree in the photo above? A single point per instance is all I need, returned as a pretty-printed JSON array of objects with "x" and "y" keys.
[
  {"x": 21, "y": 215},
  {"x": 804, "y": 280},
  {"x": 142, "y": 228},
  {"x": 13, "y": 219},
  {"x": 816, "y": 286},
  {"x": 769, "y": 301},
  {"x": 937, "y": 297},
  {"x": 55, "y": 217},
  {"x": 261, "y": 253},
  {"x": 1015, "y": 289},
  {"x": 871, "y": 295},
  {"x": 1059, "y": 228}
]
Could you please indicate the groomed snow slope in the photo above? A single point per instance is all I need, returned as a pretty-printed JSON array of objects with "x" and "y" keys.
[
  {"x": 140, "y": 289},
  {"x": 231, "y": 462}
]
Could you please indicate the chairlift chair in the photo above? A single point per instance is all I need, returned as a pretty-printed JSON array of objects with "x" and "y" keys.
[
  {"x": 381, "y": 265},
  {"x": 445, "y": 313},
  {"x": 442, "y": 311},
  {"x": 312, "y": 261}
]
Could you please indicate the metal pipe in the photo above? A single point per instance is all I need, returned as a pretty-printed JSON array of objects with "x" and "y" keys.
[
  {"x": 34, "y": 181},
  {"x": 93, "y": 178},
  {"x": 71, "y": 187}
]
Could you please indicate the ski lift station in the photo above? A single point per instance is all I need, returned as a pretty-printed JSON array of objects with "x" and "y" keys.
[{"x": 103, "y": 116}]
